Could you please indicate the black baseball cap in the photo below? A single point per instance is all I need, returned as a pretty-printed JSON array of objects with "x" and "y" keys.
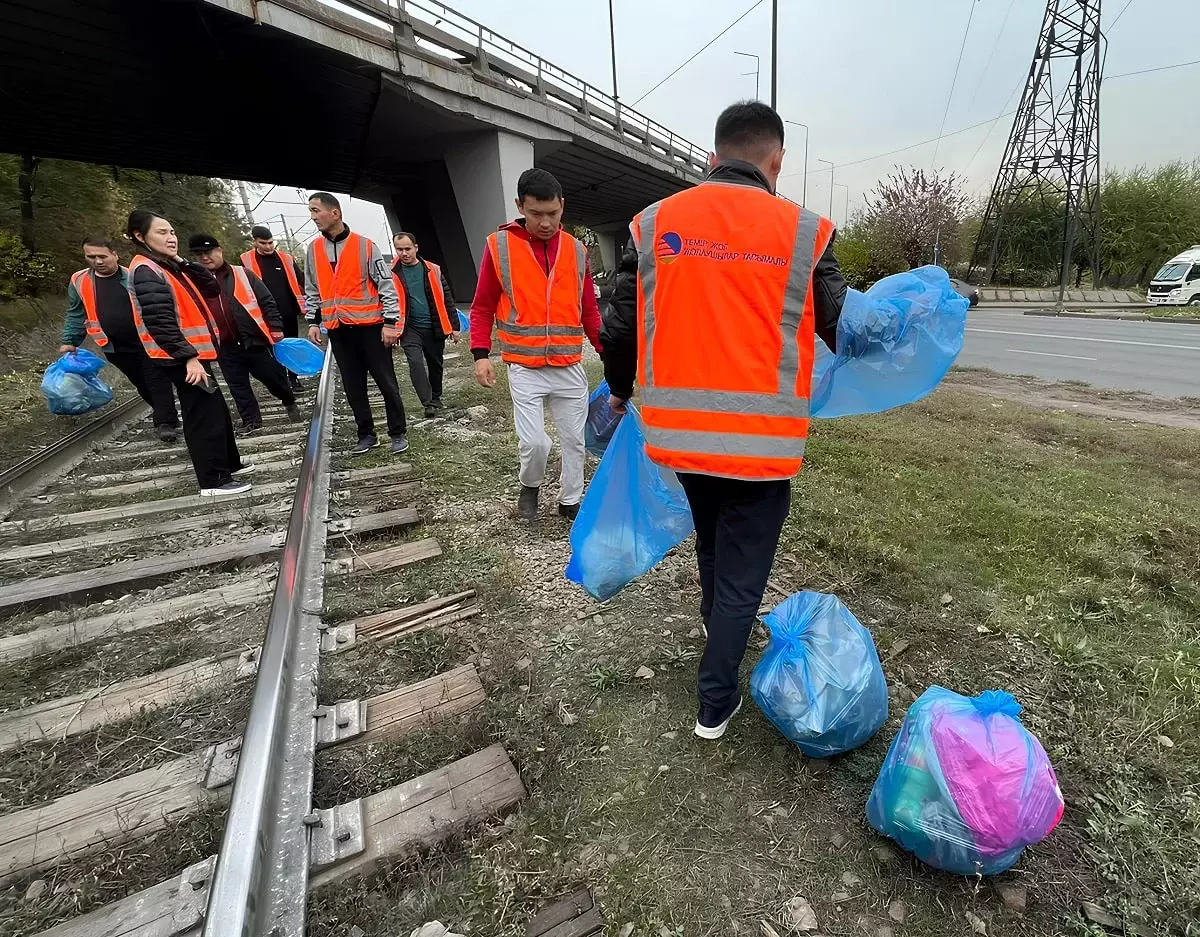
[
  {"x": 199, "y": 243},
  {"x": 261, "y": 231}
]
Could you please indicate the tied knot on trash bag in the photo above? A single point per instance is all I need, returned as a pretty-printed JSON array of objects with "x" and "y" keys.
[
  {"x": 819, "y": 681},
  {"x": 633, "y": 514},
  {"x": 71, "y": 385},
  {"x": 895, "y": 343},
  {"x": 299, "y": 355},
  {"x": 965, "y": 786}
]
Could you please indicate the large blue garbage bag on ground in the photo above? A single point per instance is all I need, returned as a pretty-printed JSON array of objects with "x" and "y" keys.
[
  {"x": 965, "y": 786},
  {"x": 299, "y": 355},
  {"x": 71, "y": 387},
  {"x": 601, "y": 422},
  {"x": 895, "y": 343},
  {"x": 819, "y": 681},
  {"x": 634, "y": 512}
]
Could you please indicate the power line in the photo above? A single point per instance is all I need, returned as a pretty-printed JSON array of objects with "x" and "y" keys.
[
  {"x": 1147, "y": 71},
  {"x": 1128, "y": 3},
  {"x": 261, "y": 200},
  {"x": 992, "y": 54},
  {"x": 754, "y": 6},
  {"x": 953, "y": 84}
]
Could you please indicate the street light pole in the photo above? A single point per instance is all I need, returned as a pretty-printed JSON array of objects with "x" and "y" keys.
[
  {"x": 775, "y": 54},
  {"x": 846, "y": 217},
  {"x": 819, "y": 160},
  {"x": 751, "y": 55},
  {"x": 796, "y": 123},
  {"x": 612, "y": 46}
]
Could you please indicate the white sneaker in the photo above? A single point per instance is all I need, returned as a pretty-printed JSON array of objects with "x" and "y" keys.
[
  {"x": 248, "y": 468},
  {"x": 713, "y": 732},
  {"x": 229, "y": 488}
]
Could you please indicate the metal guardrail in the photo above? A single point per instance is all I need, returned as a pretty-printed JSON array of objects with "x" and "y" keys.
[
  {"x": 436, "y": 28},
  {"x": 261, "y": 876}
]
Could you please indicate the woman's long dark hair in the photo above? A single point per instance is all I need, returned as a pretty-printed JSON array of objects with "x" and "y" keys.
[{"x": 140, "y": 220}]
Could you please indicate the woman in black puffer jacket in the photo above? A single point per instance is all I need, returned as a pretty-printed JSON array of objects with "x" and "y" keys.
[{"x": 172, "y": 318}]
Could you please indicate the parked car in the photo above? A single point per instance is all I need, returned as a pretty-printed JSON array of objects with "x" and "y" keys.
[{"x": 964, "y": 288}]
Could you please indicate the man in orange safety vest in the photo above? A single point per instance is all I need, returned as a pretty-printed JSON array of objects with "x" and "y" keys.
[{"x": 734, "y": 283}]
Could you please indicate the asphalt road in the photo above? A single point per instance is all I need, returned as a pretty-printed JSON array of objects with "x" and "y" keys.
[{"x": 1147, "y": 356}]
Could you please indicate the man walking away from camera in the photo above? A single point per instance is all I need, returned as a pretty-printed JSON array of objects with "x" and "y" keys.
[
  {"x": 350, "y": 291},
  {"x": 427, "y": 319},
  {"x": 734, "y": 282},
  {"x": 249, "y": 325},
  {"x": 98, "y": 305},
  {"x": 283, "y": 278},
  {"x": 535, "y": 284}
]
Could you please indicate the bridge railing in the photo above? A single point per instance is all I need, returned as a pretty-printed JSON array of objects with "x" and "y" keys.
[{"x": 438, "y": 29}]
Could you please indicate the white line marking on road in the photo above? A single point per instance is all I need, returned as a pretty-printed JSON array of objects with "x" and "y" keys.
[
  {"x": 1047, "y": 354},
  {"x": 1085, "y": 338}
]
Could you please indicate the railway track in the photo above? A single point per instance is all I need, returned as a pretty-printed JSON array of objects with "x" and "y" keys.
[{"x": 162, "y": 708}]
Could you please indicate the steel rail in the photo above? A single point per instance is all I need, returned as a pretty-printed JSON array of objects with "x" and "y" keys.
[
  {"x": 261, "y": 876},
  {"x": 18, "y": 479}
]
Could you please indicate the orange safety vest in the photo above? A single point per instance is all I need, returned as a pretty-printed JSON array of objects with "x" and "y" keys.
[
  {"x": 189, "y": 307},
  {"x": 251, "y": 262},
  {"x": 434, "y": 273},
  {"x": 348, "y": 294},
  {"x": 243, "y": 292},
  {"x": 540, "y": 317},
  {"x": 726, "y": 322},
  {"x": 84, "y": 282}
]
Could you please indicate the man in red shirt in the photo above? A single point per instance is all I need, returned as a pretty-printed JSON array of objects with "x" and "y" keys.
[{"x": 536, "y": 286}]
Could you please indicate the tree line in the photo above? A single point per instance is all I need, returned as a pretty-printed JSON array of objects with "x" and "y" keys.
[
  {"x": 1147, "y": 215},
  {"x": 48, "y": 206}
]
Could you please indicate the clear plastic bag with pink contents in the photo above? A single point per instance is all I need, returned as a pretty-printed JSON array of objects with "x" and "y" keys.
[{"x": 965, "y": 786}]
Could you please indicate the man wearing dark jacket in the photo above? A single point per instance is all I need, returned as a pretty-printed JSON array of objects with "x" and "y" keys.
[
  {"x": 246, "y": 335},
  {"x": 729, "y": 274},
  {"x": 426, "y": 319}
]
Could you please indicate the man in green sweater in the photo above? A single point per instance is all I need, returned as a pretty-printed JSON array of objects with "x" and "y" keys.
[
  {"x": 427, "y": 318},
  {"x": 98, "y": 305}
]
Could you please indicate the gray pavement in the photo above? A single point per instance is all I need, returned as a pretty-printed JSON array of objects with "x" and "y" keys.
[{"x": 1161, "y": 359}]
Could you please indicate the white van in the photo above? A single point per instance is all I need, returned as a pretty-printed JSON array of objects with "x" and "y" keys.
[{"x": 1177, "y": 283}]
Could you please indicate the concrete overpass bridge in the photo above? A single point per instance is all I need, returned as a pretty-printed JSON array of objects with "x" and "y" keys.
[{"x": 409, "y": 104}]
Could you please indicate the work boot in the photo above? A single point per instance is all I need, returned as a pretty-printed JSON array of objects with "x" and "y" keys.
[
  {"x": 167, "y": 434},
  {"x": 569, "y": 511},
  {"x": 430, "y": 412},
  {"x": 527, "y": 504},
  {"x": 294, "y": 413},
  {"x": 436, "y": 403}
]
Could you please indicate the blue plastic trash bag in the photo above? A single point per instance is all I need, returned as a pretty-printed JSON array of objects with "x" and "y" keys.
[
  {"x": 633, "y": 513},
  {"x": 965, "y": 786},
  {"x": 71, "y": 386},
  {"x": 895, "y": 344},
  {"x": 601, "y": 422},
  {"x": 299, "y": 355},
  {"x": 81, "y": 361},
  {"x": 819, "y": 681},
  {"x": 464, "y": 324}
]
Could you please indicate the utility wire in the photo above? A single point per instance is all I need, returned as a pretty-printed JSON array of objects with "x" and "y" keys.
[
  {"x": 1147, "y": 71},
  {"x": 754, "y": 6},
  {"x": 953, "y": 84},
  {"x": 261, "y": 200},
  {"x": 1128, "y": 3},
  {"x": 992, "y": 54}
]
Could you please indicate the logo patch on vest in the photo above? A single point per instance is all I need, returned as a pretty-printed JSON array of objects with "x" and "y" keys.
[
  {"x": 668, "y": 247},
  {"x": 671, "y": 246}
]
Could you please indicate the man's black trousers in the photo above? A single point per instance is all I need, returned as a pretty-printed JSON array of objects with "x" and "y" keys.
[
  {"x": 359, "y": 351},
  {"x": 207, "y": 428},
  {"x": 238, "y": 364},
  {"x": 151, "y": 382},
  {"x": 424, "y": 349},
  {"x": 737, "y": 532}
]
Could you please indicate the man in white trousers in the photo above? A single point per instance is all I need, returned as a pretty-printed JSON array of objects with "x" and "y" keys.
[{"x": 535, "y": 285}]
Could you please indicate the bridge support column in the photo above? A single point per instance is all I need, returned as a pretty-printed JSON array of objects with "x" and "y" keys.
[
  {"x": 484, "y": 169},
  {"x": 612, "y": 237}
]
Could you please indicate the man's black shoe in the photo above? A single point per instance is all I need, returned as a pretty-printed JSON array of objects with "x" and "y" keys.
[
  {"x": 569, "y": 511},
  {"x": 711, "y": 723},
  {"x": 527, "y": 504}
]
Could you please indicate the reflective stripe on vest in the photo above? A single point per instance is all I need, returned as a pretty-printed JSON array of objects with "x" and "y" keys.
[
  {"x": 193, "y": 322},
  {"x": 433, "y": 274},
  {"x": 251, "y": 262},
  {"x": 84, "y": 282},
  {"x": 539, "y": 321},
  {"x": 243, "y": 292},
  {"x": 713, "y": 301},
  {"x": 348, "y": 294}
]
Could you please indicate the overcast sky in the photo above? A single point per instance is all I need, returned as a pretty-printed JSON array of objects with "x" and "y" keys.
[{"x": 867, "y": 76}]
